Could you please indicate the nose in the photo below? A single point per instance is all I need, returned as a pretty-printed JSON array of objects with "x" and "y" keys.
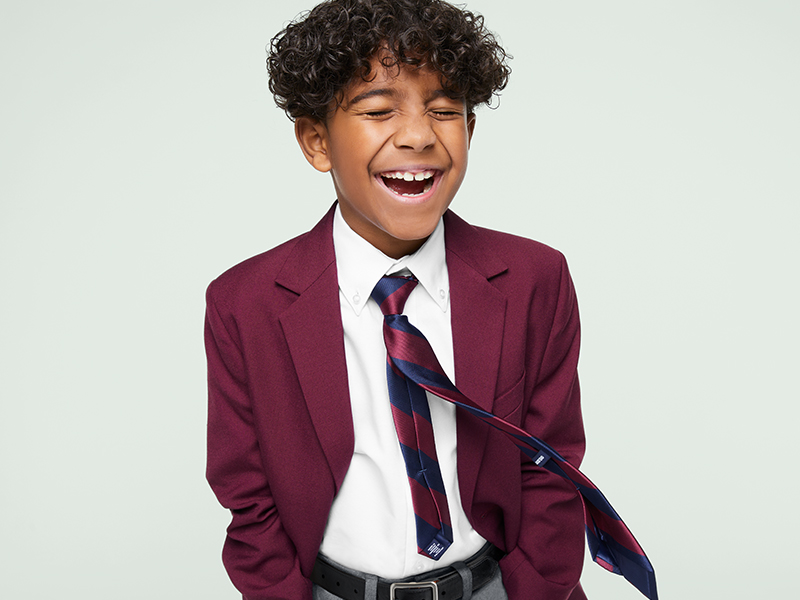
[{"x": 415, "y": 132}]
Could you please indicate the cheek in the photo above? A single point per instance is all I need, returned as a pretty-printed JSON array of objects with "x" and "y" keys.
[
  {"x": 351, "y": 155},
  {"x": 345, "y": 169},
  {"x": 456, "y": 140},
  {"x": 463, "y": 144}
]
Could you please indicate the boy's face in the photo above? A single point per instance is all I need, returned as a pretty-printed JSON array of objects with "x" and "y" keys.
[{"x": 397, "y": 150}]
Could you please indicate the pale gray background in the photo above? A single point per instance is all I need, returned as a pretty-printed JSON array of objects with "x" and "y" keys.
[{"x": 655, "y": 143}]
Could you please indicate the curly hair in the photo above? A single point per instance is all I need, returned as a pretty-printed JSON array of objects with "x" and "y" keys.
[{"x": 316, "y": 56}]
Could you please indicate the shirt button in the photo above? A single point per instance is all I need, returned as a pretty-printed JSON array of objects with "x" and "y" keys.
[
  {"x": 356, "y": 298},
  {"x": 441, "y": 294}
]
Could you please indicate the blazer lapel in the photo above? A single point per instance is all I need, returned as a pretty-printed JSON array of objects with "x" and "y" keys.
[
  {"x": 312, "y": 326},
  {"x": 478, "y": 319}
]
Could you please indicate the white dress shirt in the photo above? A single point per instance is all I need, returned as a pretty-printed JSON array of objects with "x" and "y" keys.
[{"x": 371, "y": 526}]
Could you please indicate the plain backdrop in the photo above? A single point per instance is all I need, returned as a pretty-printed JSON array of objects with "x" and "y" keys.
[{"x": 654, "y": 143}]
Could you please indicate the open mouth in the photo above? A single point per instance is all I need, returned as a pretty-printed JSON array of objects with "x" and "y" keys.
[{"x": 408, "y": 184}]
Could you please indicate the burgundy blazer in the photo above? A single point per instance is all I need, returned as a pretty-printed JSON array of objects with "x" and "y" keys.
[{"x": 280, "y": 430}]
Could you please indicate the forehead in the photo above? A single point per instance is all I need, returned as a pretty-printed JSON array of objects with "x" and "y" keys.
[{"x": 396, "y": 80}]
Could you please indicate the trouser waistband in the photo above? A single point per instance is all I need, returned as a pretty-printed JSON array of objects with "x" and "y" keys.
[{"x": 442, "y": 584}]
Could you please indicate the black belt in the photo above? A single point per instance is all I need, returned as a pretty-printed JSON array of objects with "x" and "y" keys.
[{"x": 442, "y": 584}]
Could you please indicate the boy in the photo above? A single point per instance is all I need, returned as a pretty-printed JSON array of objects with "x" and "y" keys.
[{"x": 302, "y": 446}]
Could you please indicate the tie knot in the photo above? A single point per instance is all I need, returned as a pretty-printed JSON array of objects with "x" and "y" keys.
[{"x": 391, "y": 293}]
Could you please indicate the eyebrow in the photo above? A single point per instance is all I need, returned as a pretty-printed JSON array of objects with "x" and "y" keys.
[
  {"x": 391, "y": 93},
  {"x": 371, "y": 93}
]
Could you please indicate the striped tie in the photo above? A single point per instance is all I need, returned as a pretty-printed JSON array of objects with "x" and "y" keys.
[
  {"x": 412, "y": 419},
  {"x": 611, "y": 543}
]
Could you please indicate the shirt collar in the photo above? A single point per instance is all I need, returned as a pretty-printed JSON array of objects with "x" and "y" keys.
[{"x": 360, "y": 265}]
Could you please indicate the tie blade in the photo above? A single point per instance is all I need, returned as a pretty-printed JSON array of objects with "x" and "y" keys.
[
  {"x": 611, "y": 543},
  {"x": 617, "y": 558},
  {"x": 619, "y": 553},
  {"x": 600, "y": 552}
]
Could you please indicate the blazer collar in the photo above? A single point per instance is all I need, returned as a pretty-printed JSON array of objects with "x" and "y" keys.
[
  {"x": 468, "y": 243},
  {"x": 313, "y": 253},
  {"x": 310, "y": 258}
]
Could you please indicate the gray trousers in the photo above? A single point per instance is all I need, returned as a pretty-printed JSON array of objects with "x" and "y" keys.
[{"x": 493, "y": 590}]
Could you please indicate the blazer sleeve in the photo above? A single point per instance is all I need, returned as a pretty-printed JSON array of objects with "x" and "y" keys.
[
  {"x": 260, "y": 558},
  {"x": 547, "y": 561}
]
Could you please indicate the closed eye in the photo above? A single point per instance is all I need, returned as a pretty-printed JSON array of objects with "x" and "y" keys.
[{"x": 445, "y": 114}]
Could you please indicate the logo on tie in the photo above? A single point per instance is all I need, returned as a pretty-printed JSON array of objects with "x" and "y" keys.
[{"x": 435, "y": 550}]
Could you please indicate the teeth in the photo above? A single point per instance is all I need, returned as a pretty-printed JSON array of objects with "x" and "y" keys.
[{"x": 409, "y": 176}]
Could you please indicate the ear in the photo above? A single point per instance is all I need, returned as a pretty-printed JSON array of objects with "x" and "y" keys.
[
  {"x": 312, "y": 135},
  {"x": 470, "y": 127}
]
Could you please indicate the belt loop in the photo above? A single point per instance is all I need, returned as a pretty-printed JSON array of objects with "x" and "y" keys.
[
  {"x": 466, "y": 579},
  {"x": 371, "y": 588}
]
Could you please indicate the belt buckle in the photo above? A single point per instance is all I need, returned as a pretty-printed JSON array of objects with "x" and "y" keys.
[{"x": 421, "y": 585}]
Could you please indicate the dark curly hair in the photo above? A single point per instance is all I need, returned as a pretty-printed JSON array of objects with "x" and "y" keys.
[{"x": 318, "y": 54}]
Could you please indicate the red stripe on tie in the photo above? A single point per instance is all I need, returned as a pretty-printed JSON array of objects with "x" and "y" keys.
[
  {"x": 604, "y": 564},
  {"x": 394, "y": 302},
  {"x": 621, "y": 534},
  {"x": 425, "y": 439},
  {"x": 444, "y": 510},
  {"x": 411, "y": 348},
  {"x": 404, "y": 424},
  {"x": 424, "y": 505}
]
